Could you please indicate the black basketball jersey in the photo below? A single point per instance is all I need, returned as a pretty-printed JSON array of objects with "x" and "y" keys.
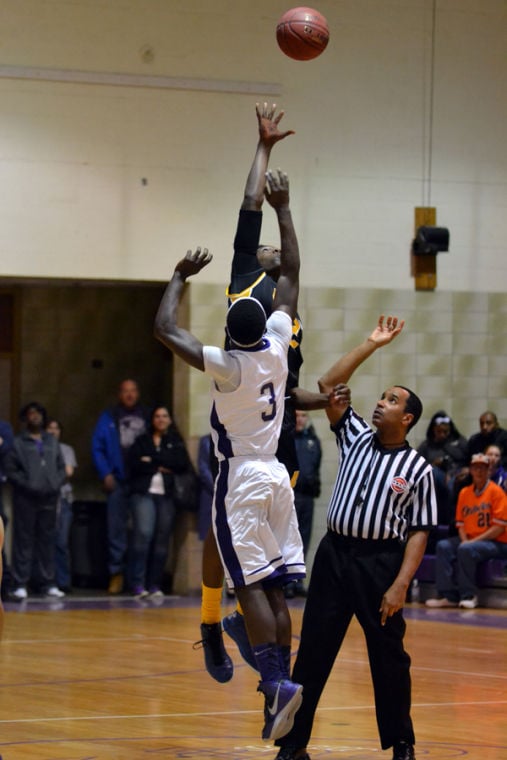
[{"x": 248, "y": 279}]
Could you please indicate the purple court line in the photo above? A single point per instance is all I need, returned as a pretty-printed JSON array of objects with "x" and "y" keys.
[
  {"x": 102, "y": 679},
  {"x": 91, "y": 601}
]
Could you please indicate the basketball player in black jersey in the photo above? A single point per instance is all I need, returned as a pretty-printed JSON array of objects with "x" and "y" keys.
[{"x": 254, "y": 272}]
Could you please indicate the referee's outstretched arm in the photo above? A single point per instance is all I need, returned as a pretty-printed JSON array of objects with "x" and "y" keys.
[
  {"x": 342, "y": 370},
  {"x": 385, "y": 331}
]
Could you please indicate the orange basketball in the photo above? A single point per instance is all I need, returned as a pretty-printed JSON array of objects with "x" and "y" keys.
[{"x": 302, "y": 33}]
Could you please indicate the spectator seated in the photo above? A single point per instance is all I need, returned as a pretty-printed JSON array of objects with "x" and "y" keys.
[{"x": 491, "y": 578}]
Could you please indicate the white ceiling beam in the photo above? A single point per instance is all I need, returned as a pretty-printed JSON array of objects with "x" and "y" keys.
[{"x": 75, "y": 76}]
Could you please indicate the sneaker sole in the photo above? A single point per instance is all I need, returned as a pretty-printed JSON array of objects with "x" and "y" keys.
[
  {"x": 284, "y": 721},
  {"x": 220, "y": 673}
]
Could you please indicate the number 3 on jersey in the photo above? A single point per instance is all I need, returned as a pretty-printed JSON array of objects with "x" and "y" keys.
[{"x": 268, "y": 390}]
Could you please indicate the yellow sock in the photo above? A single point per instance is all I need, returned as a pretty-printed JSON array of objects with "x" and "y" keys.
[{"x": 211, "y": 607}]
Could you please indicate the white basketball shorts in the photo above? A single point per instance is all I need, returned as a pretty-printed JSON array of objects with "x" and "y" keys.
[{"x": 255, "y": 522}]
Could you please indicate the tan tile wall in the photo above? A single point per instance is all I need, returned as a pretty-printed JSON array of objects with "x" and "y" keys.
[{"x": 451, "y": 353}]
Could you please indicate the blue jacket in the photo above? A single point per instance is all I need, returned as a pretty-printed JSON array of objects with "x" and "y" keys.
[{"x": 106, "y": 448}]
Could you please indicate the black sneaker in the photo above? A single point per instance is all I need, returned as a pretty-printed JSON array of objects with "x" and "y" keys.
[
  {"x": 218, "y": 663},
  {"x": 403, "y": 751},
  {"x": 289, "y": 590},
  {"x": 289, "y": 753}
]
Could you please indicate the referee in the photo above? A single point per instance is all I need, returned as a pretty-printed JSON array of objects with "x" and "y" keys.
[{"x": 382, "y": 506}]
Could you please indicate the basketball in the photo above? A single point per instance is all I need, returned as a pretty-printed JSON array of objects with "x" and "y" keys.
[{"x": 302, "y": 33}]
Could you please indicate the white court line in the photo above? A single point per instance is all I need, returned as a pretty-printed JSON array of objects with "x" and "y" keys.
[
  {"x": 136, "y": 638},
  {"x": 468, "y": 673},
  {"x": 193, "y": 715},
  {"x": 413, "y": 668}
]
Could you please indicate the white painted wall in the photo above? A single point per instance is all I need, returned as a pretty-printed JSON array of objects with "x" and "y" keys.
[{"x": 73, "y": 156}]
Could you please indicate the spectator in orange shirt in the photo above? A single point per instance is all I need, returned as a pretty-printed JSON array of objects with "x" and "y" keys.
[{"x": 481, "y": 520}]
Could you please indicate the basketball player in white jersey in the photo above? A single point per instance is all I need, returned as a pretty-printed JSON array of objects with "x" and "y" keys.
[{"x": 254, "y": 519}]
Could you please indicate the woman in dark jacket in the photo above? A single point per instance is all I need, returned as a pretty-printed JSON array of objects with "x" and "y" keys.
[
  {"x": 153, "y": 457},
  {"x": 446, "y": 450}
]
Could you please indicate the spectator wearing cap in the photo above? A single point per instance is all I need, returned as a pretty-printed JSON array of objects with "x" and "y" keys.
[
  {"x": 481, "y": 521},
  {"x": 35, "y": 468}
]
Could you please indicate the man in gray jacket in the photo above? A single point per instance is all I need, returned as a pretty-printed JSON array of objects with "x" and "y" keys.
[{"x": 35, "y": 468}]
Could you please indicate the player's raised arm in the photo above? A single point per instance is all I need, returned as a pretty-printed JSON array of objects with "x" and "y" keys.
[
  {"x": 287, "y": 287},
  {"x": 269, "y": 134},
  {"x": 166, "y": 328}
]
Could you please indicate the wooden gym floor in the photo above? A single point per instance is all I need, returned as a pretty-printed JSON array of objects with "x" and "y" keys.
[{"x": 98, "y": 678}]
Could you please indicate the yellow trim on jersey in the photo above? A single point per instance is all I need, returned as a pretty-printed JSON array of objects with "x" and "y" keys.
[
  {"x": 247, "y": 291},
  {"x": 294, "y": 479},
  {"x": 296, "y": 327}
]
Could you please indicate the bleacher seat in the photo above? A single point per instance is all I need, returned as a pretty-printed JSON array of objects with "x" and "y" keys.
[{"x": 491, "y": 577}]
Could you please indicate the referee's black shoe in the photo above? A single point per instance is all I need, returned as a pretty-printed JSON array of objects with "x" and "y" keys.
[
  {"x": 289, "y": 753},
  {"x": 403, "y": 751}
]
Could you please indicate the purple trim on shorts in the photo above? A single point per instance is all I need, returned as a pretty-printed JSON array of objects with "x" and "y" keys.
[
  {"x": 223, "y": 532},
  {"x": 224, "y": 445}
]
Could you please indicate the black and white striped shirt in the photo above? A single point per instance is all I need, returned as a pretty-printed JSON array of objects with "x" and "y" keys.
[{"x": 379, "y": 493}]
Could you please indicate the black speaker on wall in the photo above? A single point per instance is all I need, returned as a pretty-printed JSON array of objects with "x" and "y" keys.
[{"x": 431, "y": 240}]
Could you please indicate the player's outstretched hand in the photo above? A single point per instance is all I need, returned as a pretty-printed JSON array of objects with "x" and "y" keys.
[
  {"x": 193, "y": 262},
  {"x": 277, "y": 189},
  {"x": 385, "y": 332},
  {"x": 268, "y": 124},
  {"x": 340, "y": 397}
]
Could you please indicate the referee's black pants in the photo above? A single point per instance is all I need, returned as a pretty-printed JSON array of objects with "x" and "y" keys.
[{"x": 349, "y": 577}]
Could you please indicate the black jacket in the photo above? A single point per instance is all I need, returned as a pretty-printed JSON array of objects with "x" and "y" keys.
[
  {"x": 144, "y": 459},
  {"x": 478, "y": 443},
  {"x": 309, "y": 456}
]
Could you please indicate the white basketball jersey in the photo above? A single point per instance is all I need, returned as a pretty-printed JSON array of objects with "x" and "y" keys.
[{"x": 247, "y": 421}]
